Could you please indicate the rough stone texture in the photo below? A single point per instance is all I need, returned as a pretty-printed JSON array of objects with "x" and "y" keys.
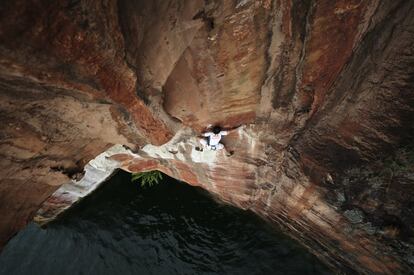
[
  {"x": 217, "y": 79},
  {"x": 96, "y": 172},
  {"x": 323, "y": 88}
]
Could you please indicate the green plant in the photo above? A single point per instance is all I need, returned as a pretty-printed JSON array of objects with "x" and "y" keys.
[{"x": 149, "y": 178}]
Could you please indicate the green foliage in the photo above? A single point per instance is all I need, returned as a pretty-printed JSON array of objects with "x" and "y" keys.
[{"x": 149, "y": 178}]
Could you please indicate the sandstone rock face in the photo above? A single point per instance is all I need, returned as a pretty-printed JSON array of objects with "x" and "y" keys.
[{"x": 321, "y": 89}]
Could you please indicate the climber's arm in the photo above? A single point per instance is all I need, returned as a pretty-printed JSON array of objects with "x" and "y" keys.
[{"x": 229, "y": 131}]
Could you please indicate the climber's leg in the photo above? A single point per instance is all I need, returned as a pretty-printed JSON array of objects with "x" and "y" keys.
[{"x": 203, "y": 142}]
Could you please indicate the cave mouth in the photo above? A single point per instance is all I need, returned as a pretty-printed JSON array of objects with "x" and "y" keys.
[{"x": 169, "y": 228}]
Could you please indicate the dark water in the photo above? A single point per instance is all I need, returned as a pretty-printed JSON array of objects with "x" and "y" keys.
[{"x": 171, "y": 228}]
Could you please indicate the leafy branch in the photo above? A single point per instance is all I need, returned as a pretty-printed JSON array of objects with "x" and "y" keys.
[{"x": 149, "y": 178}]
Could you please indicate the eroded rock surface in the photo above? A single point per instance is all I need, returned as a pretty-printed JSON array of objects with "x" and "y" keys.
[{"x": 322, "y": 88}]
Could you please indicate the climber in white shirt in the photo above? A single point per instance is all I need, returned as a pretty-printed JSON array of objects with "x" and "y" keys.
[{"x": 213, "y": 139}]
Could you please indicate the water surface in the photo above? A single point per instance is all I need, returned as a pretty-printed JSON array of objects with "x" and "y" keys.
[{"x": 171, "y": 228}]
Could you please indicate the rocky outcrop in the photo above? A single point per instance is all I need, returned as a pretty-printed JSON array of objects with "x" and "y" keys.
[{"x": 321, "y": 88}]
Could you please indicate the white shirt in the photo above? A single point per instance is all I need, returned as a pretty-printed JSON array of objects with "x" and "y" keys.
[{"x": 215, "y": 138}]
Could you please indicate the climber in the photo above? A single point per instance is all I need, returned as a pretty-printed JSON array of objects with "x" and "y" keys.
[{"x": 212, "y": 140}]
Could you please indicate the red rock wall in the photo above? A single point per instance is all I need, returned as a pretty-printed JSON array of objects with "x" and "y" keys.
[
  {"x": 217, "y": 79},
  {"x": 324, "y": 86}
]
